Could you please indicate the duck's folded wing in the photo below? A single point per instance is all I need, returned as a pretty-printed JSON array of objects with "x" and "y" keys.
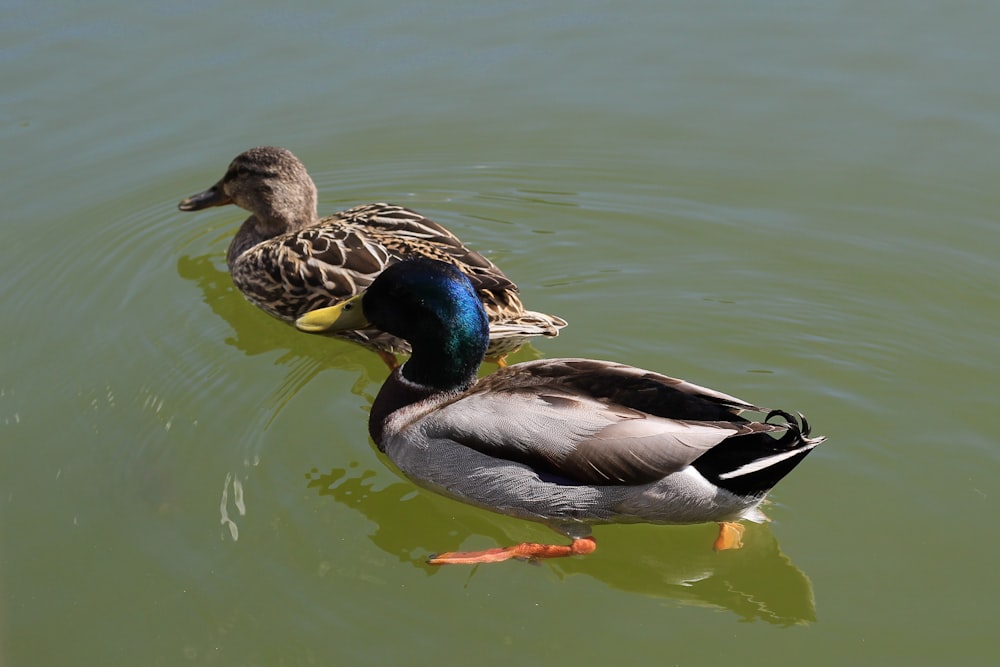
[
  {"x": 406, "y": 233},
  {"x": 636, "y": 388},
  {"x": 577, "y": 439}
]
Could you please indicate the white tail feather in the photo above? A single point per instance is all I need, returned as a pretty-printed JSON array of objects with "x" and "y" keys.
[{"x": 768, "y": 461}]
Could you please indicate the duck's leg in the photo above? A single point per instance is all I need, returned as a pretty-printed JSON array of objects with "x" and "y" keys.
[
  {"x": 524, "y": 551},
  {"x": 500, "y": 360},
  {"x": 730, "y": 536}
]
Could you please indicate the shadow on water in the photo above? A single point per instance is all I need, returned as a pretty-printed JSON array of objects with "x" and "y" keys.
[
  {"x": 757, "y": 582},
  {"x": 255, "y": 333},
  {"x": 306, "y": 360}
]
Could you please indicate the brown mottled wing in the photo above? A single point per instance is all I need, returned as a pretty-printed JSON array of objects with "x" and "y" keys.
[
  {"x": 591, "y": 422},
  {"x": 342, "y": 254},
  {"x": 406, "y": 234}
]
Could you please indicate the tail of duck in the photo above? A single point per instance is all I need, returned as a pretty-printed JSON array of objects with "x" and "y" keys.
[
  {"x": 526, "y": 323},
  {"x": 751, "y": 465}
]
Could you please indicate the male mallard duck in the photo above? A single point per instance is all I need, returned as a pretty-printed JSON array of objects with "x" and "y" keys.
[
  {"x": 287, "y": 261},
  {"x": 567, "y": 442}
]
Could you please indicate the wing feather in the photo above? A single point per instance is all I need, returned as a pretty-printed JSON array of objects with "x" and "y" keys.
[{"x": 536, "y": 413}]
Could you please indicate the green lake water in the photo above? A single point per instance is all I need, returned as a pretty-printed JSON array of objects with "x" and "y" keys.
[{"x": 795, "y": 203}]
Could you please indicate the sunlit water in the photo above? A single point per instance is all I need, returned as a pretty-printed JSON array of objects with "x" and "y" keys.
[{"x": 789, "y": 203}]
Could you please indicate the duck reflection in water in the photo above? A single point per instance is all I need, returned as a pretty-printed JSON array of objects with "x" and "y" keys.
[
  {"x": 757, "y": 582},
  {"x": 254, "y": 333}
]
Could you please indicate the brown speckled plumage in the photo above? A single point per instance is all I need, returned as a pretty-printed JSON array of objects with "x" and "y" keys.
[{"x": 288, "y": 261}]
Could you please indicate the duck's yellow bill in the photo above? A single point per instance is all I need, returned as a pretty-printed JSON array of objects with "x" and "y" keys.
[{"x": 344, "y": 316}]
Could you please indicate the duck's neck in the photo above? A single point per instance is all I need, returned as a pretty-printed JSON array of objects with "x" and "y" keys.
[
  {"x": 397, "y": 392},
  {"x": 289, "y": 207},
  {"x": 448, "y": 364},
  {"x": 423, "y": 376}
]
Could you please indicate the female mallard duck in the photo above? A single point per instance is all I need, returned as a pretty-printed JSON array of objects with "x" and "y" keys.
[
  {"x": 287, "y": 261},
  {"x": 567, "y": 442}
]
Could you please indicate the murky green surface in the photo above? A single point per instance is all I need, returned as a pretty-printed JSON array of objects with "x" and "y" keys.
[{"x": 792, "y": 203}]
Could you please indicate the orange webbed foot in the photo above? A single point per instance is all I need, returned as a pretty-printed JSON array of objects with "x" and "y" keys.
[
  {"x": 730, "y": 536},
  {"x": 530, "y": 551},
  {"x": 500, "y": 361}
]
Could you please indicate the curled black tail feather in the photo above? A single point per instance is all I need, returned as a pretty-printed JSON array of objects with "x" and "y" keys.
[
  {"x": 797, "y": 427},
  {"x": 752, "y": 464}
]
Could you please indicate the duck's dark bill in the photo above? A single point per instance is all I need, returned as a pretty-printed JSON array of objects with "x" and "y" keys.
[{"x": 214, "y": 196}]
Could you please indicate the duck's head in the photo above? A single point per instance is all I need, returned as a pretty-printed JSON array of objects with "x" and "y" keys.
[
  {"x": 428, "y": 303},
  {"x": 268, "y": 181}
]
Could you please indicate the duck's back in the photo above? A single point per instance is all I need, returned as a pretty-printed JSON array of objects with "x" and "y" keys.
[
  {"x": 342, "y": 254},
  {"x": 586, "y": 421}
]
